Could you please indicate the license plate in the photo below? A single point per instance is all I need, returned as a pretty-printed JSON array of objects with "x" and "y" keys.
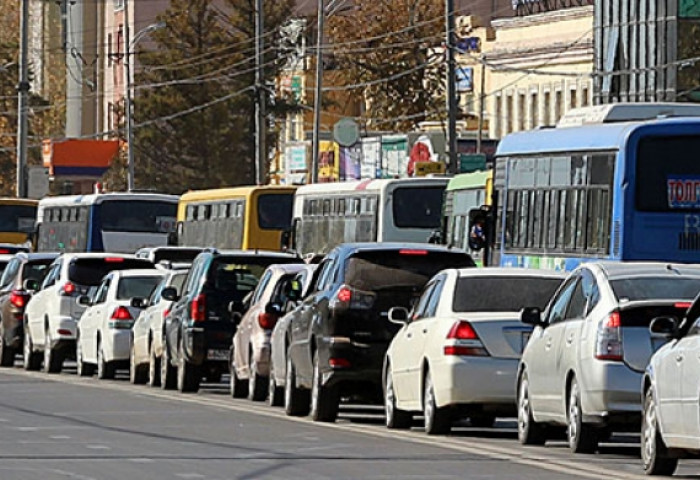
[{"x": 217, "y": 355}]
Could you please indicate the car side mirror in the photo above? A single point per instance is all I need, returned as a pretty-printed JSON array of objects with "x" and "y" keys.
[
  {"x": 273, "y": 308},
  {"x": 531, "y": 316},
  {"x": 664, "y": 327},
  {"x": 138, "y": 302},
  {"x": 170, "y": 294},
  {"x": 84, "y": 301},
  {"x": 30, "y": 285},
  {"x": 398, "y": 315}
]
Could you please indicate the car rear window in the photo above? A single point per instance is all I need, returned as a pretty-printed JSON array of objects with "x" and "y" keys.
[
  {"x": 175, "y": 254},
  {"x": 655, "y": 288},
  {"x": 89, "y": 271},
  {"x": 36, "y": 270},
  {"x": 502, "y": 294},
  {"x": 399, "y": 268},
  {"x": 237, "y": 277},
  {"x": 131, "y": 287}
]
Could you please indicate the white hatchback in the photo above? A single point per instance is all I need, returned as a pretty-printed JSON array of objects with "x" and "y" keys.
[
  {"x": 104, "y": 330},
  {"x": 457, "y": 353}
]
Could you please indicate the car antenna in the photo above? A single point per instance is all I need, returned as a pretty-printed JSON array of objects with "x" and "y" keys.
[{"x": 672, "y": 268}]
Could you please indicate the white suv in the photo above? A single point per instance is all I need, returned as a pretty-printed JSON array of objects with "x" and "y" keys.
[{"x": 52, "y": 314}]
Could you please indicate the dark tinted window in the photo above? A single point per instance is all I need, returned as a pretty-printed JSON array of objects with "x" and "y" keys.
[
  {"x": 655, "y": 288},
  {"x": 130, "y": 287},
  {"x": 381, "y": 269},
  {"x": 176, "y": 254},
  {"x": 36, "y": 270},
  {"x": 238, "y": 277},
  {"x": 668, "y": 174},
  {"x": 138, "y": 216},
  {"x": 275, "y": 211},
  {"x": 501, "y": 294},
  {"x": 178, "y": 281},
  {"x": 417, "y": 207},
  {"x": 89, "y": 271},
  {"x": 17, "y": 218}
]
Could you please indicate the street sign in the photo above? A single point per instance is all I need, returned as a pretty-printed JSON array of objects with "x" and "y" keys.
[
  {"x": 346, "y": 132},
  {"x": 37, "y": 182},
  {"x": 428, "y": 168},
  {"x": 471, "y": 162}
]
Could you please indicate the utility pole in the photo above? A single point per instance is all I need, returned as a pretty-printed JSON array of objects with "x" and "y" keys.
[
  {"x": 482, "y": 105},
  {"x": 127, "y": 99},
  {"x": 260, "y": 94},
  {"x": 452, "y": 166},
  {"x": 22, "y": 107},
  {"x": 315, "y": 144}
]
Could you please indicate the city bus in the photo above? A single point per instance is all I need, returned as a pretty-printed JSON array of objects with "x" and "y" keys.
[
  {"x": 106, "y": 222},
  {"x": 254, "y": 217},
  {"x": 401, "y": 210},
  {"x": 17, "y": 219},
  {"x": 467, "y": 197},
  {"x": 616, "y": 182}
]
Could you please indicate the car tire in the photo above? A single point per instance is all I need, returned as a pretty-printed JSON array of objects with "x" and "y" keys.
[
  {"x": 238, "y": 387},
  {"x": 275, "y": 394},
  {"x": 167, "y": 371},
  {"x": 82, "y": 369},
  {"x": 394, "y": 418},
  {"x": 32, "y": 359},
  {"x": 582, "y": 438},
  {"x": 529, "y": 431},
  {"x": 296, "y": 400},
  {"x": 257, "y": 384},
  {"x": 482, "y": 420},
  {"x": 437, "y": 420},
  {"x": 105, "y": 369},
  {"x": 655, "y": 454},
  {"x": 189, "y": 376},
  {"x": 53, "y": 359},
  {"x": 7, "y": 354},
  {"x": 153, "y": 367},
  {"x": 324, "y": 399},
  {"x": 138, "y": 374}
]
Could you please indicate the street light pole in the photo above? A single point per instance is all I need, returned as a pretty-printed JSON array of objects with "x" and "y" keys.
[
  {"x": 452, "y": 166},
  {"x": 22, "y": 104},
  {"x": 127, "y": 99},
  {"x": 260, "y": 96},
  {"x": 315, "y": 147}
]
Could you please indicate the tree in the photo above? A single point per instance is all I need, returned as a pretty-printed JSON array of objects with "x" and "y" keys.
[
  {"x": 193, "y": 102},
  {"x": 392, "y": 52}
]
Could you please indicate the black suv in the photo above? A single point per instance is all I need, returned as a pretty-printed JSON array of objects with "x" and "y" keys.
[
  {"x": 22, "y": 271},
  {"x": 198, "y": 331},
  {"x": 341, "y": 331}
]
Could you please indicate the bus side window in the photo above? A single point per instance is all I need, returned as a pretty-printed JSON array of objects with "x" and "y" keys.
[
  {"x": 190, "y": 213},
  {"x": 326, "y": 207},
  {"x": 340, "y": 207},
  {"x": 356, "y": 206}
]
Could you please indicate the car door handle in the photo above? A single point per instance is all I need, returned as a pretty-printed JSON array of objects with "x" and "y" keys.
[
  {"x": 570, "y": 339},
  {"x": 679, "y": 358},
  {"x": 548, "y": 344},
  {"x": 425, "y": 330}
]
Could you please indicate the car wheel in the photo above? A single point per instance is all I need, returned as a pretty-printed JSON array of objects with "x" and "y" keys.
[
  {"x": 238, "y": 387},
  {"x": 7, "y": 354},
  {"x": 437, "y": 420},
  {"x": 324, "y": 399},
  {"x": 296, "y": 400},
  {"x": 153, "y": 367},
  {"x": 167, "y": 371},
  {"x": 257, "y": 384},
  {"x": 105, "y": 369},
  {"x": 582, "y": 438},
  {"x": 189, "y": 376},
  {"x": 53, "y": 360},
  {"x": 32, "y": 359},
  {"x": 137, "y": 373},
  {"x": 529, "y": 431},
  {"x": 655, "y": 455},
  {"x": 275, "y": 394},
  {"x": 83, "y": 369},
  {"x": 395, "y": 418},
  {"x": 482, "y": 420}
]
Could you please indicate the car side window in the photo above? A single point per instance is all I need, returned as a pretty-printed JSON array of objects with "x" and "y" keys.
[
  {"x": 322, "y": 281},
  {"x": 591, "y": 290},
  {"x": 694, "y": 328},
  {"x": 422, "y": 306},
  {"x": 101, "y": 295},
  {"x": 155, "y": 296},
  {"x": 193, "y": 277},
  {"x": 51, "y": 276},
  {"x": 561, "y": 301},
  {"x": 10, "y": 272},
  {"x": 577, "y": 304},
  {"x": 435, "y": 297},
  {"x": 262, "y": 285}
]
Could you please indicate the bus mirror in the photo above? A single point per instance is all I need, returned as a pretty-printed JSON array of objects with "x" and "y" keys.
[
  {"x": 477, "y": 229},
  {"x": 31, "y": 285},
  {"x": 170, "y": 294}
]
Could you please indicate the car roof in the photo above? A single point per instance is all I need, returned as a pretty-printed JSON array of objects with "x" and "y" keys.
[
  {"x": 253, "y": 253},
  {"x": 285, "y": 268},
  {"x": 383, "y": 246},
  {"x": 100, "y": 255},
  {"x": 138, "y": 272},
  {"x": 632, "y": 269},
  {"x": 28, "y": 257},
  {"x": 510, "y": 272}
]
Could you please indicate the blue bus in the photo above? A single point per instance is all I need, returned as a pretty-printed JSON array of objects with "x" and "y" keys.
[
  {"x": 115, "y": 222},
  {"x": 616, "y": 182}
]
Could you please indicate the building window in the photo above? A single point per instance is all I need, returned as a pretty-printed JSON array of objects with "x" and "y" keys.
[
  {"x": 294, "y": 128},
  {"x": 574, "y": 98},
  {"x": 546, "y": 109},
  {"x": 521, "y": 111},
  {"x": 584, "y": 96},
  {"x": 498, "y": 112},
  {"x": 118, "y": 4},
  {"x": 534, "y": 110},
  {"x": 558, "y": 105},
  {"x": 509, "y": 113}
]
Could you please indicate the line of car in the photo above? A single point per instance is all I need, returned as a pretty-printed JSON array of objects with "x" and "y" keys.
[{"x": 611, "y": 347}]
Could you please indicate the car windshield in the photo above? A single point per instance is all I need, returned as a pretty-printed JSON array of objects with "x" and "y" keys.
[
  {"x": 131, "y": 287},
  {"x": 476, "y": 294},
  {"x": 655, "y": 288},
  {"x": 89, "y": 271}
]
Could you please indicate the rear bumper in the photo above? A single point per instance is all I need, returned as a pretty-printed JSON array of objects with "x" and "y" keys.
[
  {"x": 198, "y": 341},
  {"x": 63, "y": 333},
  {"x": 117, "y": 344},
  {"x": 611, "y": 394},
  {"x": 358, "y": 370}
]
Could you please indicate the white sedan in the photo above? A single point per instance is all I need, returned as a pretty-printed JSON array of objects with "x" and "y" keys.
[
  {"x": 104, "y": 329},
  {"x": 457, "y": 352}
]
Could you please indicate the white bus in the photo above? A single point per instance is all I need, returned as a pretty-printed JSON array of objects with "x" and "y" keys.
[
  {"x": 106, "y": 222},
  {"x": 403, "y": 210}
]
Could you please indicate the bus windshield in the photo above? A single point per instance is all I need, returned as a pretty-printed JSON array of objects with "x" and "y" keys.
[
  {"x": 417, "y": 207},
  {"x": 138, "y": 216},
  {"x": 275, "y": 211},
  {"x": 17, "y": 218}
]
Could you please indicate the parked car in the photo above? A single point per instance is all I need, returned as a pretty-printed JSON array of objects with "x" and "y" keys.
[
  {"x": 23, "y": 270},
  {"x": 104, "y": 329},
  {"x": 147, "y": 344},
  {"x": 341, "y": 331},
  {"x": 250, "y": 350},
  {"x": 201, "y": 324},
  {"x": 670, "y": 395},
  {"x": 457, "y": 353},
  {"x": 280, "y": 338},
  {"x": 583, "y": 365},
  {"x": 52, "y": 314}
]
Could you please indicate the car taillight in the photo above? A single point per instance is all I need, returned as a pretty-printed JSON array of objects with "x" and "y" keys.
[
  {"x": 114, "y": 260},
  {"x": 462, "y": 340},
  {"x": 348, "y": 297},
  {"x": 609, "y": 339},
  {"x": 18, "y": 298},
  {"x": 344, "y": 295},
  {"x": 267, "y": 320},
  {"x": 166, "y": 312},
  {"x": 198, "y": 308},
  {"x": 121, "y": 318},
  {"x": 410, "y": 251},
  {"x": 68, "y": 289}
]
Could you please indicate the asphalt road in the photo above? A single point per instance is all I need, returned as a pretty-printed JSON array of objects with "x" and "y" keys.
[{"x": 65, "y": 427}]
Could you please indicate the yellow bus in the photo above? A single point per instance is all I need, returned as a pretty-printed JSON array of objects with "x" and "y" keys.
[
  {"x": 17, "y": 220},
  {"x": 244, "y": 218}
]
